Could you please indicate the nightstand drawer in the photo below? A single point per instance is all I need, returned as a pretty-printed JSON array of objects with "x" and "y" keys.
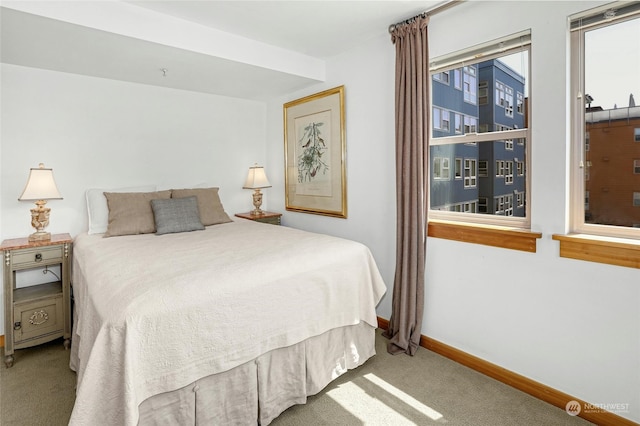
[
  {"x": 272, "y": 220},
  {"x": 37, "y": 256},
  {"x": 38, "y": 318}
]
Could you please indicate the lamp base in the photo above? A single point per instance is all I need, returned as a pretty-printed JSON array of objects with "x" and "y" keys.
[
  {"x": 257, "y": 202},
  {"x": 39, "y": 236}
]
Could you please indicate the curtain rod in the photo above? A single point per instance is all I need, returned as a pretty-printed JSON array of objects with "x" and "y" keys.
[{"x": 429, "y": 12}]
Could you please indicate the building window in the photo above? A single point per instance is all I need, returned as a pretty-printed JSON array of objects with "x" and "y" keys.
[
  {"x": 482, "y": 205},
  {"x": 441, "y": 119},
  {"x": 458, "y": 168},
  {"x": 508, "y": 172},
  {"x": 483, "y": 93},
  {"x": 520, "y": 168},
  {"x": 586, "y": 200},
  {"x": 458, "y": 123},
  {"x": 457, "y": 78},
  {"x": 470, "y": 172},
  {"x": 520, "y": 199},
  {"x": 445, "y": 121},
  {"x": 479, "y": 135},
  {"x": 442, "y": 77},
  {"x": 520, "y": 103},
  {"x": 441, "y": 168},
  {"x": 470, "y": 85},
  {"x": 483, "y": 168},
  {"x": 500, "y": 93},
  {"x": 508, "y": 144},
  {"x": 504, "y": 205},
  {"x": 586, "y": 141},
  {"x": 607, "y": 124},
  {"x": 470, "y": 124}
]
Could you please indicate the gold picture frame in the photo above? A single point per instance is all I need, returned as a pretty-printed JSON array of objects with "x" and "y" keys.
[{"x": 315, "y": 154}]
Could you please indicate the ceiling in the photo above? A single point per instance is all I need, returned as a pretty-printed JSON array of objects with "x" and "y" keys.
[{"x": 38, "y": 34}]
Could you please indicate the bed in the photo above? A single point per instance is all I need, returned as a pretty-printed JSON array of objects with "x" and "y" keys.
[{"x": 229, "y": 324}]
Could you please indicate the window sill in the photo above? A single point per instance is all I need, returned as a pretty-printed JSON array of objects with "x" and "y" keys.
[
  {"x": 496, "y": 236},
  {"x": 592, "y": 248}
]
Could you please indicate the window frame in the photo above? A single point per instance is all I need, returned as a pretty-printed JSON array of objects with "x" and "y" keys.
[
  {"x": 594, "y": 243},
  {"x": 580, "y": 141},
  {"x": 515, "y": 43}
]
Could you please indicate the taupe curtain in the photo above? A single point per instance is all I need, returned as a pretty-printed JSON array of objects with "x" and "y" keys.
[{"x": 412, "y": 121}]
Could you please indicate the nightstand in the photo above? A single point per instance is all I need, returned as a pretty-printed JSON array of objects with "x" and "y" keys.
[
  {"x": 266, "y": 217},
  {"x": 38, "y": 313}
]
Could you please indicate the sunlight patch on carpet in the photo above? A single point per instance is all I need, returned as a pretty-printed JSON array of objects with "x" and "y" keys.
[
  {"x": 404, "y": 397},
  {"x": 361, "y": 404}
]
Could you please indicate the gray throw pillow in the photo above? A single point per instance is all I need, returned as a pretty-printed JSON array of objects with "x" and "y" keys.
[
  {"x": 176, "y": 215},
  {"x": 209, "y": 204}
]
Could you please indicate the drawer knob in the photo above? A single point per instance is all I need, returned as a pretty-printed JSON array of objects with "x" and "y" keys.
[
  {"x": 38, "y": 257},
  {"x": 39, "y": 317},
  {"x": 17, "y": 325}
]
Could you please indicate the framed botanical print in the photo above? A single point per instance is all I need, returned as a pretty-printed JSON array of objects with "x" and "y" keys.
[{"x": 315, "y": 154}]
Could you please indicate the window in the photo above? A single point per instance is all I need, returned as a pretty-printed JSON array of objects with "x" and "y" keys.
[
  {"x": 520, "y": 104},
  {"x": 586, "y": 200},
  {"x": 441, "y": 119},
  {"x": 470, "y": 174},
  {"x": 440, "y": 168},
  {"x": 442, "y": 77},
  {"x": 508, "y": 144},
  {"x": 458, "y": 170},
  {"x": 508, "y": 106},
  {"x": 481, "y": 142},
  {"x": 470, "y": 124},
  {"x": 482, "y": 205},
  {"x": 469, "y": 84},
  {"x": 508, "y": 172},
  {"x": 604, "y": 188},
  {"x": 457, "y": 79},
  {"x": 483, "y": 92},
  {"x": 458, "y": 123},
  {"x": 469, "y": 207},
  {"x": 499, "y": 93},
  {"x": 520, "y": 168},
  {"x": 483, "y": 169}
]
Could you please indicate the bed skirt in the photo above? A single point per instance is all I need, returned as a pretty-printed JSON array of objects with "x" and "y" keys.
[{"x": 258, "y": 391}]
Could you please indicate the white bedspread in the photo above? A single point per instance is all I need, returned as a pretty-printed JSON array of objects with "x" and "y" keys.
[{"x": 155, "y": 313}]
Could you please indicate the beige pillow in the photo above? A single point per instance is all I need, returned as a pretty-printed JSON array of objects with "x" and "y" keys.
[
  {"x": 209, "y": 204},
  {"x": 130, "y": 213}
]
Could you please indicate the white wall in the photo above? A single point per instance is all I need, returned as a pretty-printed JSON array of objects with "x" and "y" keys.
[
  {"x": 571, "y": 325},
  {"x": 367, "y": 74},
  {"x": 98, "y": 133}
]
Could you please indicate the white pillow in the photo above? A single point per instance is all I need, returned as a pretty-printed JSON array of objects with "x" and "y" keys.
[{"x": 99, "y": 210}]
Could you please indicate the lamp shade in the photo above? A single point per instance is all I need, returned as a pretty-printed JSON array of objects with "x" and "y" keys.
[
  {"x": 40, "y": 186},
  {"x": 256, "y": 178}
]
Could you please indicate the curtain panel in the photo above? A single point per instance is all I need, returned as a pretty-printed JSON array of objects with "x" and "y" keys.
[{"x": 412, "y": 133}]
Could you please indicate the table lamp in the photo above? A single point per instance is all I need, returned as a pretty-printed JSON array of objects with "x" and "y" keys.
[
  {"x": 40, "y": 188},
  {"x": 256, "y": 180}
]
